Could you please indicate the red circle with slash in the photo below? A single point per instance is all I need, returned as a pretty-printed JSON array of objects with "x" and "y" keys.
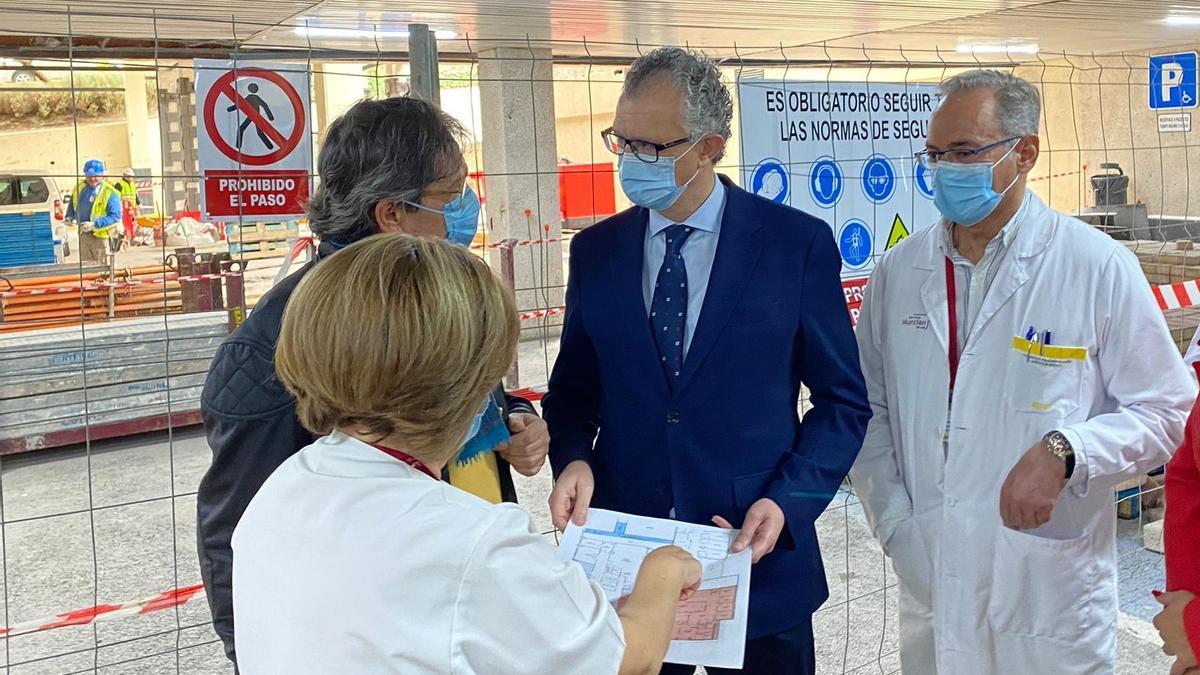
[{"x": 224, "y": 85}]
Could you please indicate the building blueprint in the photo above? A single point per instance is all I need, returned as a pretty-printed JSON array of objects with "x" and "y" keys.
[{"x": 710, "y": 626}]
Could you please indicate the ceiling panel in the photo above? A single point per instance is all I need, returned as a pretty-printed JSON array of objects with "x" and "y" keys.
[
  {"x": 1077, "y": 27},
  {"x": 796, "y": 29}
]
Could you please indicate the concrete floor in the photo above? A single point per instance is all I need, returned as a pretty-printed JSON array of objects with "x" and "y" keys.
[{"x": 118, "y": 524}]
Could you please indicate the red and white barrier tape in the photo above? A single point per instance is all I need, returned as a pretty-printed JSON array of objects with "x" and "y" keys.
[
  {"x": 513, "y": 244},
  {"x": 105, "y": 285},
  {"x": 89, "y": 615},
  {"x": 1178, "y": 296},
  {"x": 534, "y": 393},
  {"x": 1057, "y": 175},
  {"x": 542, "y": 313}
]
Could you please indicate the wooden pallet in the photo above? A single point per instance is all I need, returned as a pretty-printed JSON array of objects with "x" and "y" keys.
[
  {"x": 260, "y": 250},
  {"x": 255, "y": 241}
]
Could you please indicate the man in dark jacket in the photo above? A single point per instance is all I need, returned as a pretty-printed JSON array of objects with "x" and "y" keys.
[{"x": 386, "y": 166}]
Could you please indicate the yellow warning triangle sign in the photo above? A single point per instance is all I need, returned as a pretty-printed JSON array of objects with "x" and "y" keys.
[{"x": 899, "y": 233}]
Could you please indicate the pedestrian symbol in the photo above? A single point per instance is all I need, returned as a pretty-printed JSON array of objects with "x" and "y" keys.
[
  {"x": 253, "y": 138},
  {"x": 855, "y": 244},
  {"x": 277, "y": 138},
  {"x": 898, "y": 234},
  {"x": 825, "y": 182},
  {"x": 259, "y": 105}
]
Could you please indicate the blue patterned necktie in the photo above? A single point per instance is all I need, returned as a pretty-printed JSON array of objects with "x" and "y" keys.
[{"x": 668, "y": 309}]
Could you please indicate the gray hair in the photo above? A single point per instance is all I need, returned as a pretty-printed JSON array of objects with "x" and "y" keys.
[
  {"x": 386, "y": 150},
  {"x": 707, "y": 105},
  {"x": 1018, "y": 104}
]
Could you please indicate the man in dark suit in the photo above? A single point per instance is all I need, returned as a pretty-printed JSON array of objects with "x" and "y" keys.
[{"x": 692, "y": 322}]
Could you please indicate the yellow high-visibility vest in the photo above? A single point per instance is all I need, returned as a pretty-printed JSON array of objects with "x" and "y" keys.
[{"x": 99, "y": 207}]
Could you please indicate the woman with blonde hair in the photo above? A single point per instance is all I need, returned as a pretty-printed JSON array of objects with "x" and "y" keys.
[{"x": 354, "y": 557}]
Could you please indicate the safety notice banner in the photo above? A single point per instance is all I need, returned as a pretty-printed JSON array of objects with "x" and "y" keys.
[
  {"x": 843, "y": 152},
  {"x": 253, "y": 138},
  {"x": 229, "y": 194}
]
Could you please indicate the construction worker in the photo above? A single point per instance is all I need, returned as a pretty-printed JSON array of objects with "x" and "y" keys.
[
  {"x": 127, "y": 188},
  {"x": 96, "y": 207}
]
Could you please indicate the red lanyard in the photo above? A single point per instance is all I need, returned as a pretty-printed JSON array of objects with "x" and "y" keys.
[
  {"x": 407, "y": 459},
  {"x": 952, "y": 305}
]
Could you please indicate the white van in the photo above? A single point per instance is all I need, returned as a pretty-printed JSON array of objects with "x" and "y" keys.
[{"x": 35, "y": 191}]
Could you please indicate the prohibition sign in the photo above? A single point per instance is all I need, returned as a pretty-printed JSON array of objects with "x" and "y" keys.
[{"x": 224, "y": 86}]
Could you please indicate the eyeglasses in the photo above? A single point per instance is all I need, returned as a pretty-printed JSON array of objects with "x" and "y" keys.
[
  {"x": 643, "y": 150},
  {"x": 930, "y": 158},
  {"x": 452, "y": 194}
]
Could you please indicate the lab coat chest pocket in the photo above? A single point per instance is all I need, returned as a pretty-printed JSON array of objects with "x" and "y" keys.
[
  {"x": 1042, "y": 587},
  {"x": 1046, "y": 380}
]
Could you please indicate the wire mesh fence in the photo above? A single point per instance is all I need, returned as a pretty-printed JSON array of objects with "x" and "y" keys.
[{"x": 102, "y": 364}]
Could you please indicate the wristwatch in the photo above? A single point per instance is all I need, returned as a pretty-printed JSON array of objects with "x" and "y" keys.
[{"x": 1061, "y": 448}]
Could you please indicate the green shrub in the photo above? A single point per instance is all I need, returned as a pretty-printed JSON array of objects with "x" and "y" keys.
[{"x": 54, "y": 107}]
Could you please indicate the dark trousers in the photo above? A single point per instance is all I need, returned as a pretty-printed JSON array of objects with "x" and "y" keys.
[{"x": 789, "y": 653}]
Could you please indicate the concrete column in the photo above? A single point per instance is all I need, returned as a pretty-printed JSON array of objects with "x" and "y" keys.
[
  {"x": 521, "y": 174},
  {"x": 137, "y": 120},
  {"x": 177, "y": 127}
]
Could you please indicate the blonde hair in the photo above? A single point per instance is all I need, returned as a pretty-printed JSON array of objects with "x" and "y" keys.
[{"x": 397, "y": 335}]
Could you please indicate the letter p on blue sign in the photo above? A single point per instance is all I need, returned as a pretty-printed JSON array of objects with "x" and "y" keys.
[{"x": 1173, "y": 81}]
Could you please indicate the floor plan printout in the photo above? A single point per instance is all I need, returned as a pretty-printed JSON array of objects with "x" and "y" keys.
[{"x": 710, "y": 626}]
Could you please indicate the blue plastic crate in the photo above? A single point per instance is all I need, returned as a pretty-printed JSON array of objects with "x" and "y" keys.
[{"x": 26, "y": 239}]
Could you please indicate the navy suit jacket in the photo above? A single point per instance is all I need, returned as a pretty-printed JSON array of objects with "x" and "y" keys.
[{"x": 774, "y": 318}]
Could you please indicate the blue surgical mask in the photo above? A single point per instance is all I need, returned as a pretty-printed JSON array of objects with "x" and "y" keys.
[
  {"x": 963, "y": 192},
  {"x": 477, "y": 423},
  {"x": 462, "y": 218},
  {"x": 652, "y": 184}
]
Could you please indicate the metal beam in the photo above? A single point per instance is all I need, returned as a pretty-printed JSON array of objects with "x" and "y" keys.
[{"x": 423, "y": 64}]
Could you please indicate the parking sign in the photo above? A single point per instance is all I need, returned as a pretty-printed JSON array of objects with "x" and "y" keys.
[{"x": 1173, "y": 81}]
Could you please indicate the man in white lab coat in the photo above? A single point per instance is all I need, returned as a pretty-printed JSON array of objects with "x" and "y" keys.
[{"x": 1018, "y": 369}]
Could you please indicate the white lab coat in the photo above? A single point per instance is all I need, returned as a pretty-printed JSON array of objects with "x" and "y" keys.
[
  {"x": 349, "y": 561},
  {"x": 977, "y": 597},
  {"x": 1192, "y": 356}
]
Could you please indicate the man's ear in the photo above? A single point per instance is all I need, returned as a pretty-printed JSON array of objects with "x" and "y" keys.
[
  {"x": 711, "y": 147},
  {"x": 391, "y": 216},
  {"x": 1028, "y": 152}
]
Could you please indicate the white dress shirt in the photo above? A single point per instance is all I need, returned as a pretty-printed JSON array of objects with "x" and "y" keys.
[
  {"x": 972, "y": 281},
  {"x": 349, "y": 561}
]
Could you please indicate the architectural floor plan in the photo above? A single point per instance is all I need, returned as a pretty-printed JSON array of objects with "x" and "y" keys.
[{"x": 710, "y": 626}]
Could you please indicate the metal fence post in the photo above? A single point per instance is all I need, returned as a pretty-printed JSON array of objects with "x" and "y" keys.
[
  {"x": 112, "y": 283},
  {"x": 508, "y": 273},
  {"x": 186, "y": 258},
  {"x": 235, "y": 290}
]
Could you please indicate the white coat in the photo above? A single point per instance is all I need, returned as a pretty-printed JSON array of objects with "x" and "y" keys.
[{"x": 975, "y": 596}]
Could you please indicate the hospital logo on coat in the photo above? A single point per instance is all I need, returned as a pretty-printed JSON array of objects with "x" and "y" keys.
[
  {"x": 854, "y": 242},
  {"x": 770, "y": 181}
]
